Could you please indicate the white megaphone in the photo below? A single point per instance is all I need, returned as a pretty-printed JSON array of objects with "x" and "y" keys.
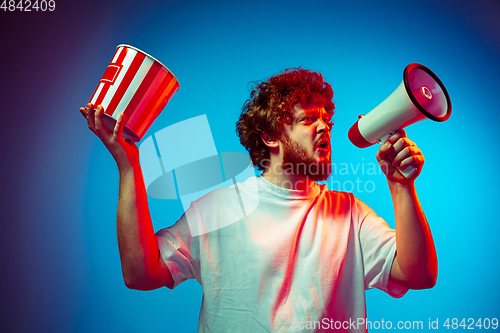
[{"x": 420, "y": 96}]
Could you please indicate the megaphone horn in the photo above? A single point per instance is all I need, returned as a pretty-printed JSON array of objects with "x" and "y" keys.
[{"x": 421, "y": 95}]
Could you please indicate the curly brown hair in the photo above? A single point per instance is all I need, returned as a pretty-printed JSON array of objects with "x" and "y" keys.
[{"x": 269, "y": 108}]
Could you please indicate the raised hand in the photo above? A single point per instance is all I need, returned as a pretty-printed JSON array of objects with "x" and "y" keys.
[
  {"x": 124, "y": 151},
  {"x": 399, "y": 152}
]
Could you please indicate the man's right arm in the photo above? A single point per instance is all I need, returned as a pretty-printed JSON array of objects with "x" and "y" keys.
[{"x": 142, "y": 265}]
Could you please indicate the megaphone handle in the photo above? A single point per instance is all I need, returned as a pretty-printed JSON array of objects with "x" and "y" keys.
[{"x": 409, "y": 171}]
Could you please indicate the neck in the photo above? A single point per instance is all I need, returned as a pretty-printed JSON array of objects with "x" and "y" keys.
[{"x": 277, "y": 176}]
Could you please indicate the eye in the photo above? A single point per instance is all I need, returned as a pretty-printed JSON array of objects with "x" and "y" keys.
[{"x": 328, "y": 121}]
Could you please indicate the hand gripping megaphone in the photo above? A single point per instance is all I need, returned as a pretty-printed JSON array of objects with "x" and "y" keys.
[{"x": 420, "y": 96}]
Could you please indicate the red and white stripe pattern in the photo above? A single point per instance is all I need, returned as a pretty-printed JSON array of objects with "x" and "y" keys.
[{"x": 136, "y": 85}]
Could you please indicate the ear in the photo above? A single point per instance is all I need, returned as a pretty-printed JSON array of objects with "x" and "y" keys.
[{"x": 269, "y": 140}]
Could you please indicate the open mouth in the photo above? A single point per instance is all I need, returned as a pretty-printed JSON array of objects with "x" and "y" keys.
[{"x": 324, "y": 144}]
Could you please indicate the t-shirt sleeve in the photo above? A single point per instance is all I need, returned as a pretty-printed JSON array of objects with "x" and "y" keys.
[
  {"x": 378, "y": 247},
  {"x": 180, "y": 251}
]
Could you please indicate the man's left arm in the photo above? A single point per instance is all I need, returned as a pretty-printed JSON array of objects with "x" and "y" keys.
[{"x": 415, "y": 262}]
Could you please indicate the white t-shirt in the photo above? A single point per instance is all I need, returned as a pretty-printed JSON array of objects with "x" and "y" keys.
[{"x": 281, "y": 260}]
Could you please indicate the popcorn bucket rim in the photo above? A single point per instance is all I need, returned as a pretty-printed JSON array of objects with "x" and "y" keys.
[{"x": 150, "y": 56}]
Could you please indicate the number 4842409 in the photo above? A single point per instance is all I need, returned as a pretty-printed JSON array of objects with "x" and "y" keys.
[
  {"x": 471, "y": 324},
  {"x": 28, "y": 6}
]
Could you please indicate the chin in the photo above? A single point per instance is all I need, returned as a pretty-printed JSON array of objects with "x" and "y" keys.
[
  {"x": 320, "y": 171},
  {"x": 298, "y": 161}
]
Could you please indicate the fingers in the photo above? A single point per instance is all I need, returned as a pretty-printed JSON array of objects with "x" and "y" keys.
[
  {"x": 399, "y": 152},
  {"x": 396, "y": 136},
  {"x": 411, "y": 155},
  {"x": 397, "y": 139},
  {"x": 88, "y": 112},
  {"x": 95, "y": 121},
  {"x": 102, "y": 131},
  {"x": 383, "y": 151},
  {"x": 118, "y": 130},
  {"x": 83, "y": 112},
  {"x": 399, "y": 145},
  {"x": 383, "y": 160}
]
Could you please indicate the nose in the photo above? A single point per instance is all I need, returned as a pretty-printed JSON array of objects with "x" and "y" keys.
[{"x": 323, "y": 126}]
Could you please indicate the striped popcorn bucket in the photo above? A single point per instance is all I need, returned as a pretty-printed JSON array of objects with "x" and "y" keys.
[{"x": 137, "y": 85}]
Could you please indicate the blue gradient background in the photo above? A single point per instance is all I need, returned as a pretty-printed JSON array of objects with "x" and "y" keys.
[{"x": 60, "y": 268}]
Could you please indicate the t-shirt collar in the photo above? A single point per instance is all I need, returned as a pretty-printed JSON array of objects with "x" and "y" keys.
[{"x": 268, "y": 187}]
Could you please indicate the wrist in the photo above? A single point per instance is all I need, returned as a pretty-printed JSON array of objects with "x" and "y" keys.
[
  {"x": 129, "y": 169},
  {"x": 396, "y": 186}
]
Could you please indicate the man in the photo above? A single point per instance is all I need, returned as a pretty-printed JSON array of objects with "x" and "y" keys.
[{"x": 302, "y": 259}]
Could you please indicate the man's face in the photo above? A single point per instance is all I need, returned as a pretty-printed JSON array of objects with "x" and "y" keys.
[{"x": 306, "y": 143}]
